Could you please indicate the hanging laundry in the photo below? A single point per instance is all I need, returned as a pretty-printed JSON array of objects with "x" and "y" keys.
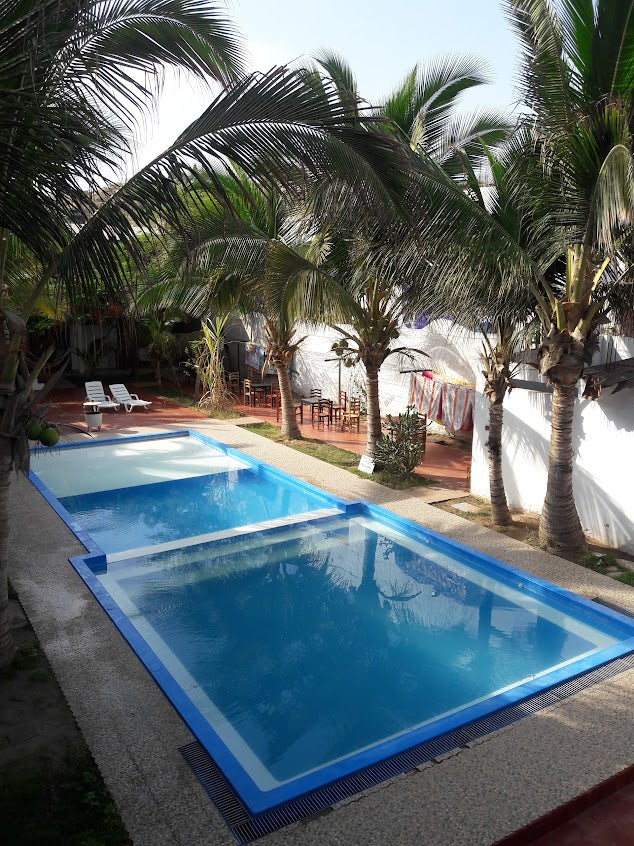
[
  {"x": 457, "y": 407},
  {"x": 443, "y": 400},
  {"x": 426, "y": 395}
]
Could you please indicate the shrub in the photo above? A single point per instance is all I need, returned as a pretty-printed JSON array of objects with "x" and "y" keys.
[{"x": 402, "y": 446}]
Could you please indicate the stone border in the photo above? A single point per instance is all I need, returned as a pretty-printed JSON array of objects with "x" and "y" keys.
[{"x": 470, "y": 798}]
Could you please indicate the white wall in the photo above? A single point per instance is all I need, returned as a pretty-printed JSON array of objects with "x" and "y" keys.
[
  {"x": 603, "y": 439},
  {"x": 603, "y": 434},
  {"x": 84, "y": 337},
  {"x": 451, "y": 352}
]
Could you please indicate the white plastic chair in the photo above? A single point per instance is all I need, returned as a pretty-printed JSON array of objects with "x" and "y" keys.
[
  {"x": 128, "y": 400},
  {"x": 95, "y": 396}
]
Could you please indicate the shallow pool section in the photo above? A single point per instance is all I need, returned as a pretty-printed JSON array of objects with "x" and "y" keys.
[
  {"x": 132, "y": 496},
  {"x": 303, "y": 649},
  {"x": 127, "y": 462}
]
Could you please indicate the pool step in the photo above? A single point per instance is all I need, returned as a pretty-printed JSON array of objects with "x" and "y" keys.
[{"x": 237, "y": 532}]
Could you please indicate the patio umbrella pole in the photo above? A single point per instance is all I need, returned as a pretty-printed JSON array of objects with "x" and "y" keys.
[{"x": 339, "y": 389}]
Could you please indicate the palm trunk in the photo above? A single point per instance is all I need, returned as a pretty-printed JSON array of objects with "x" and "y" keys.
[
  {"x": 7, "y": 648},
  {"x": 374, "y": 408},
  {"x": 157, "y": 372},
  {"x": 290, "y": 429},
  {"x": 559, "y": 525},
  {"x": 499, "y": 506}
]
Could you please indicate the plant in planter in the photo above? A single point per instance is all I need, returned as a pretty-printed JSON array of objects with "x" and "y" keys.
[{"x": 401, "y": 448}]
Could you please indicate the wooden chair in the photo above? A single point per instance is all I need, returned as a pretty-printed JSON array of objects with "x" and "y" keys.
[
  {"x": 248, "y": 393},
  {"x": 352, "y": 415},
  {"x": 299, "y": 411},
  {"x": 233, "y": 382},
  {"x": 423, "y": 434},
  {"x": 315, "y": 396},
  {"x": 340, "y": 407},
  {"x": 324, "y": 412},
  {"x": 273, "y": 398}
]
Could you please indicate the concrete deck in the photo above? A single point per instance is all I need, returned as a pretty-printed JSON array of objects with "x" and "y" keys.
[{"x": 471, "y": 798}]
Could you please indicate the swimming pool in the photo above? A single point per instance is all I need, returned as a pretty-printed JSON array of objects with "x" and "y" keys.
[{"x": 316, "y": 644}]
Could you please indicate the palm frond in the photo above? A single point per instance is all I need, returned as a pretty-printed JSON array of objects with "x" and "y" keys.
[
  {"x": 340, "y": 72},
  {"x": 422, "y": 104},
  {"x": 70, "y": 73},
  {"x": 276, "y": 127}
]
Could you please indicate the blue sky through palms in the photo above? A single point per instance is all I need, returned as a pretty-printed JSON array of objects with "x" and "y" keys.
[{"x": 381, "y": 39}]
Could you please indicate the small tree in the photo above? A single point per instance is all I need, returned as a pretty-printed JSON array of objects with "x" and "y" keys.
[
  {"x": 401, "y": 449},
  {"x": 209, "y": 362}
]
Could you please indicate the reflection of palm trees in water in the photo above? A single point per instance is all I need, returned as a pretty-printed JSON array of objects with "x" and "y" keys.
[
  {"x": 298, "y": 640},
  {"x": 316, "y": 647}
]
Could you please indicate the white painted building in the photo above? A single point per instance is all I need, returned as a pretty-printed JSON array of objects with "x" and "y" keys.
[
  {"x": 603, "y": 478},
  {"x": 603, "y": 435}
]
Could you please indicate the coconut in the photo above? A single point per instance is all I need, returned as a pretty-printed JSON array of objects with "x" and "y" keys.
[
  {"x": 34, "y": 429},
  {"x": 49, "y": 436}
]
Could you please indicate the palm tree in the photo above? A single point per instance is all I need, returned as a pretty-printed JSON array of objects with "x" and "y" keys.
[
  {"x": 422, "y": 115},
  {"x": 374, "y": 311},
  {"x": 69, "y": 72},
  {"x": 66, "y": 71},
  {"x": 505, "y": 318},
  {"x": 578, "y": 83},
  {"x": 247, "y": 251}
]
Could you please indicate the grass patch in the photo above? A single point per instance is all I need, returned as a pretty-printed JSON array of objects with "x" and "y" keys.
[
  {"x": 27, "y": 656},
  {"x": 170, "y": 395},
  {"x": 68, "y": 806},
  {"x": 336, "y": 456},
  {"x": 627, "y": 577}
]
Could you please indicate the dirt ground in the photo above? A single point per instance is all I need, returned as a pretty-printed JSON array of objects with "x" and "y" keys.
[
  {"x": 525, "y": 528},
  {"x": 51, "y": 793},
  {"x": 36, "y": 724}
]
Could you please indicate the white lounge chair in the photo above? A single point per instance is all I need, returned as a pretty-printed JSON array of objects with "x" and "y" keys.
[
  {"x": 128, "y": 400},
  {"x": 95, "y": 396}
]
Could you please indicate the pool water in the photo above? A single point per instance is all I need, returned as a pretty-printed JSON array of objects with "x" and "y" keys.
[
  {"x": 127, "y": 463},
  {"x": 139, "y": 494},
  {"x": 146, "y": 515},
  {"x": 334, "y": 638},
  {"x": 303, "y": 638}
]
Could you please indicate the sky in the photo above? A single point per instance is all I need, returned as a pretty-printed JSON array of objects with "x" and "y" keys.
[{"x": 381, "y": 40}]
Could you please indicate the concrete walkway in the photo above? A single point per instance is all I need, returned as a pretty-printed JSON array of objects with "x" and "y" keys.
[{"x": 471, "y": 798}]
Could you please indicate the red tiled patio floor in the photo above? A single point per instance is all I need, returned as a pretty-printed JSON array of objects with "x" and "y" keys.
[
  {"x": 66, "y": 407},
  {"x": 446, "y": 465},
  {"x": 608, "y": 823},
  {"x": 602, "y": 817}
]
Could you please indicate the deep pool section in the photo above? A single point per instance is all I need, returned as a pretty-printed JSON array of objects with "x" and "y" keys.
[
  {"x": 147, "y": 515},
  {"x": 334, "y": 638}
]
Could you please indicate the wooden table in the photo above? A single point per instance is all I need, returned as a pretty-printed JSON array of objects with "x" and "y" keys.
[
  {"x": 316, "y": 401},
  {"x": 262, "y": 388}
]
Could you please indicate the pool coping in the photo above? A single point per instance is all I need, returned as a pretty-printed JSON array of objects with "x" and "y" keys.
[{"x": 399, "y": 789}]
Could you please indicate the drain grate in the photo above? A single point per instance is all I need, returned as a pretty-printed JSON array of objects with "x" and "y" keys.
[
  {"x": 247, "y": 827},
  {"x": 613, "y": 606}
]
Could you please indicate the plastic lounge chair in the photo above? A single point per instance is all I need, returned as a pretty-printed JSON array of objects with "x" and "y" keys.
[
  {"x": 95, "y": 396},
  {"x": 128, "y": 400}
]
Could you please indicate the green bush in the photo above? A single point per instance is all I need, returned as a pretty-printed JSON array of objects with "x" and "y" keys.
[{"x": 401, "y": 448}]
